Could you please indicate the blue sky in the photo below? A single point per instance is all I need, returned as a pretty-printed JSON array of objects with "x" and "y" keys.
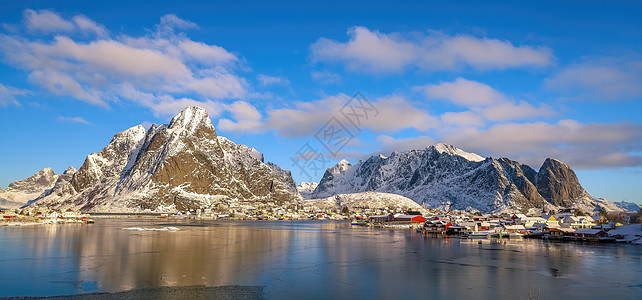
[{"x": 520, "y": 80}]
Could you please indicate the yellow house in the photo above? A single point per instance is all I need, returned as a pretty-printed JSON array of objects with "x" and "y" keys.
[{"x": 549, "y": 217}]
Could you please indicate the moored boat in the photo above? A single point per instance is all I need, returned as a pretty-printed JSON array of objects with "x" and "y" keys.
[{"x": 479, "y": 234}]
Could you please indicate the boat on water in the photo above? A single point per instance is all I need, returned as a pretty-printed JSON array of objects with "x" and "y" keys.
[{"x": 480, "y": 234}]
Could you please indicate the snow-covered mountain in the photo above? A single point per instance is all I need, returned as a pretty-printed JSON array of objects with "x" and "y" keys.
[
  {"x": 285, "y": 176},
  {"x": 628, "y": 206},
  {"x": 20, "y": 192},
  {"x": 178, "y": 166},
  {"x": 443, "y": 176},
  {"x": 306, "y": 189},
  {"x": 372, "y": 200}
]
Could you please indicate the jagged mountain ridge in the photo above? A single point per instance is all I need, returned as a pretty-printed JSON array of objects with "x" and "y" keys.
[
  {"x": 178, "y": 166},
  {"x": 20, "y": 192},
  {"x": 305, "y": 189},
  {"x": 443, "y": 176}
]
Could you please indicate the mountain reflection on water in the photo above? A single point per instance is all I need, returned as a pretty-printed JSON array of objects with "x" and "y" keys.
[{"x": 305, "y": 259}]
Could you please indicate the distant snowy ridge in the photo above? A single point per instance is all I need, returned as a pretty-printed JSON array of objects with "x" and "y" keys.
[
  {"x": 628, "y": 206},
  {"x": 306, "y": 189},
  {"x": 446, "y": 177},
  {"x": 21, "y": 192}
]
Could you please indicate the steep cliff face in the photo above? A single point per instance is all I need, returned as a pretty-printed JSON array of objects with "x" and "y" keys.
[
  {"x": 20, "y": 192},
  {"x": 443, "y": 176},
  {"x": 179, "y": 166},
  {"x": 285, "y": 176},
  {"x": 558, "y": 184}
]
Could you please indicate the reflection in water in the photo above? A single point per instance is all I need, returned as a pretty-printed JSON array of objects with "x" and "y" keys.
[{"x": 300, "y": 259}]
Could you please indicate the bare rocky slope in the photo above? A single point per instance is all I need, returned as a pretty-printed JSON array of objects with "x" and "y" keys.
[
  {"x": 443, "y": 176},
  {"x": 179, "y": 166}
]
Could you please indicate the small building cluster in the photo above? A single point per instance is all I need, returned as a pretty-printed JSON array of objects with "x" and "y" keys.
[
  {"x": 561, "y": 226},
  {"x": 34, "y": 216}
]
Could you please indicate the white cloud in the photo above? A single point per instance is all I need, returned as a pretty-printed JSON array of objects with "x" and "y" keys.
[
  {"x": 171, "y": 22},
  {"x": 325, "y": 77},
  {"x": 509, "y": 111},
  {"x": 389, "y": 144},
  {"x": 484, "y": 101},
  {"x": 462, "y": 119},
  {"x": 366, "y": 50},
  {"x": 390, "y": 114},
  {"x": 600, "y": 78},
  {"x": 266, "y": 80},
  {"x": 582, "y": 145},
  {"x": 210, "y": 55},
  {"x": 465, "y": 92},
  {"x": 372, "y": 51},
  {"x": 80, "y": 120},
  {"x": 248, "y": 118},
  {"x": 306, "y": 118},
  {"x": 164, "y": 67},
  {"x": 46, "y": 21},
  {"x": 8, "y": 95},
  {"x": 168, "y": 106},
  {"x": 63, "y": 84},
  {"x": 86, "y": 25},
  {"x": 164, "y": 104}
]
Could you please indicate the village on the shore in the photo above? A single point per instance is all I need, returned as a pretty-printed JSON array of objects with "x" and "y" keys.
[
  {"x": 565, "y": 224},
  {"x": 37, "y": 216}
]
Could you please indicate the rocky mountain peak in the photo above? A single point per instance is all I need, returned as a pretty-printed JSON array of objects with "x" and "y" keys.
[
  {"x": 444, "y": 176},
  {"x": 306, "y": 189},
  {"x": 191, "y": 118},
  {"x": 44, "y": 178},
  {"x": 21, "y": 192},
  {"x": 452, "y": 150},
  {"x": 558, "y": 184},
  {"x": 179, "y": 166},
  {"x": 70, "y": 170},
  {"x": 340, "y": 167}
]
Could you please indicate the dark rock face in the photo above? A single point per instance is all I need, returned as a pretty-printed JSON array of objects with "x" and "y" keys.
[
  {"x": 285, "y": 176},
  {"x": 558, "y": 184},
  {"x": 443, "y": 176},
  {"x": 176, "y": 167}
]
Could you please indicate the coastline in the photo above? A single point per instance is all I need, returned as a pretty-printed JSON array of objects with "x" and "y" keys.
[{"x": 166, "y": 292}]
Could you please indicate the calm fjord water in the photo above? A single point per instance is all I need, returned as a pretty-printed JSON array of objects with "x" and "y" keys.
[{"x": 307, "y": 259}]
